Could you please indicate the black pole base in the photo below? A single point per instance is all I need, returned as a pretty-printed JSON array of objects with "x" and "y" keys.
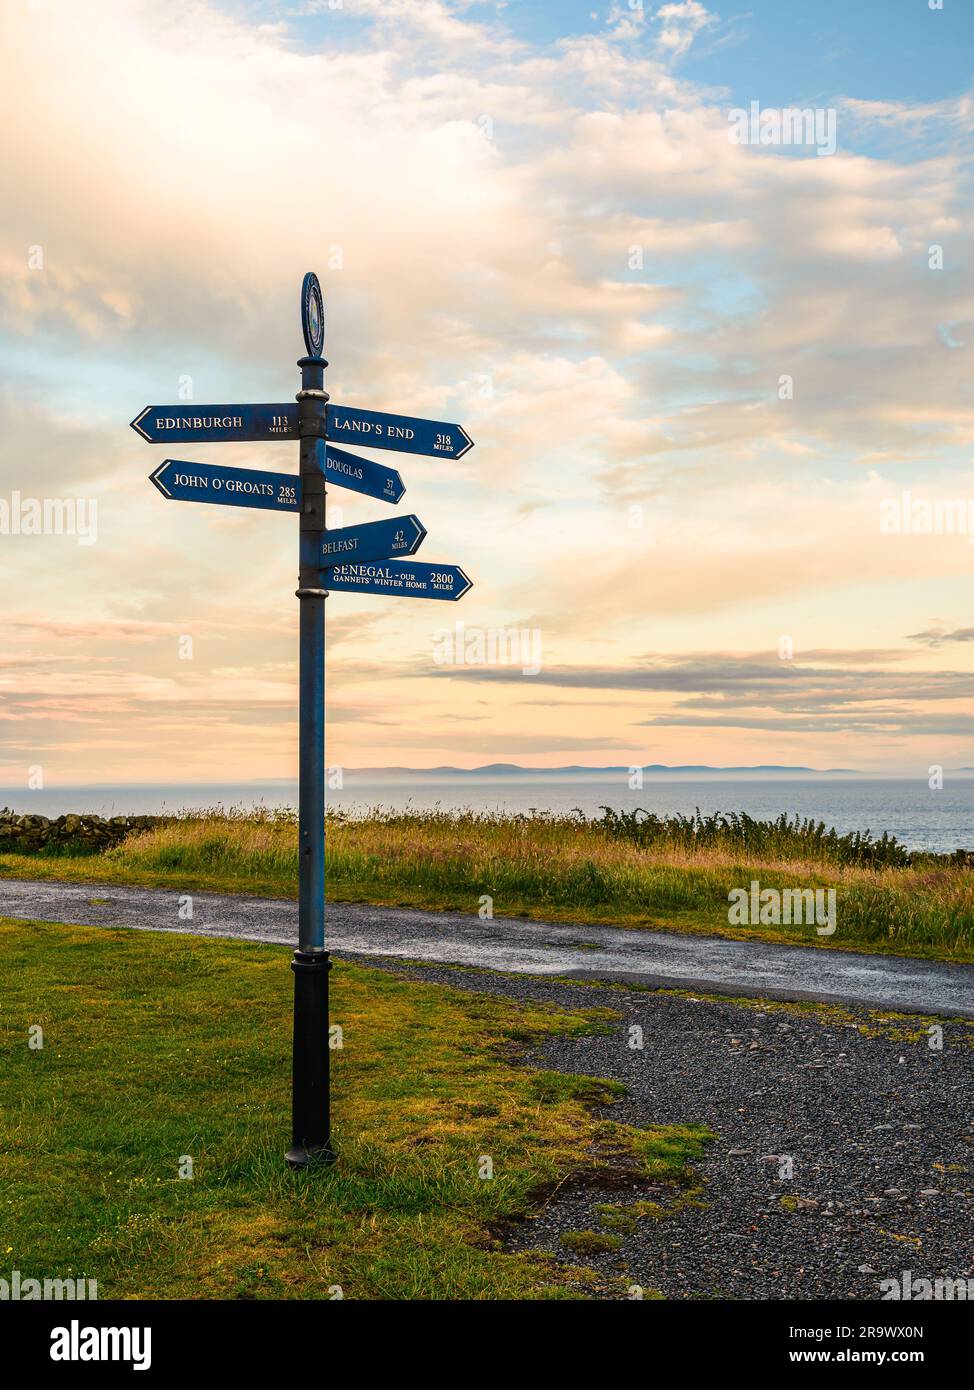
[
  {"x": 311, "y": 1130},
  {"x": 310, "y": 1155}
]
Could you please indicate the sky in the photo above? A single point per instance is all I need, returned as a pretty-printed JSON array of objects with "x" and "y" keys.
[{"x": 709, "y": 379}]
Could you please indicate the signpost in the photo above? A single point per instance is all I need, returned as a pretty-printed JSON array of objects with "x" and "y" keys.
[
  {"x": 402, "y": 432},
  {"x": 231, "y": 487},
  {"x": 407, "y": 580},
  {"x": 216, "y": 424},
  {"x": 362, "y": 475},
  {"x": 356, "y": 559},
  {"x": 233, "y": 424},
  {"x": 277, "y": 492},
  {"x": 377, "y": 540}
]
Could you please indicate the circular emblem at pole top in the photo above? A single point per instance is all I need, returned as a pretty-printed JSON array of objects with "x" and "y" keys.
[{"x": 312, "y": 315}]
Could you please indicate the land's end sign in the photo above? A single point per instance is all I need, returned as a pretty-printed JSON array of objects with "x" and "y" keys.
[{"x": 403, "y": 432}]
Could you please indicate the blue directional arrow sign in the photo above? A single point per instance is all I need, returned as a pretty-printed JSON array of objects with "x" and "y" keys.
[
  {"x": 235, "y": 424},
  {"x": 277, "y": 492},
  {"x": 376, "y": 430},
  {"x": 402, "y": 578},
  {"x": 376, "y": 540},
  {"x": 362, "y": 475},
  {"x": 231, "y": 487},
  {"x": 216, "y": 424}
]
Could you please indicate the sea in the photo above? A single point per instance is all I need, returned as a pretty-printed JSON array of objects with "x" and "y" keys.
[{"x": 937, "y": 820}]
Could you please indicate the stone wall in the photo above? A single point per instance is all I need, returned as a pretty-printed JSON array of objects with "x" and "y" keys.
[{"x": 84, "y": 834}]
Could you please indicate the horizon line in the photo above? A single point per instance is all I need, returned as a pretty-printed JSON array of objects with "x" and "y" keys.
[{"x": 835, "y": 773}]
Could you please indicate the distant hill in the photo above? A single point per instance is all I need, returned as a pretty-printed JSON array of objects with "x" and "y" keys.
[{"x": 516, "y": 770}]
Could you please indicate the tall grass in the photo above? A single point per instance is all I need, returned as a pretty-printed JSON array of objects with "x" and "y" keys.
[
  {"x": 783, "y": 838},
  {"x": 642, "y": 871},
  {"x": 631, "y": 869}
]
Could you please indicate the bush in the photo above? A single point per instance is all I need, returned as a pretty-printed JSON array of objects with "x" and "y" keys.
[{"x": 783, "y": 838}]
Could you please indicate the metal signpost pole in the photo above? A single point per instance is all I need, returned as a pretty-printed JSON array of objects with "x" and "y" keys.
[
  {"x": 366, "y": 559},
  {"x": 310, "y": 1107}
]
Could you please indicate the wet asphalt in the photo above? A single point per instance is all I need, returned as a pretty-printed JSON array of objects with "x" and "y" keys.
[{"x": 586, "y": 952}]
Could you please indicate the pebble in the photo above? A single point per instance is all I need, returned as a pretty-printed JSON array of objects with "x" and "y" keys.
[{"x": 742, "y": 1243}]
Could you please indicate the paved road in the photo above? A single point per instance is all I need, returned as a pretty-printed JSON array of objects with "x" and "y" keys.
[{"x": 658, "y": 959}]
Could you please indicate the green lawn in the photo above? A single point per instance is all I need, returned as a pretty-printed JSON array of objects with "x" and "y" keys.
[{"x": 157, "y": 1048}]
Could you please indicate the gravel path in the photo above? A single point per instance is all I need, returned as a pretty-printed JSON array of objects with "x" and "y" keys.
[
  {"x": 879, "y": 1131},
  {"x": 703, "y": 963}
]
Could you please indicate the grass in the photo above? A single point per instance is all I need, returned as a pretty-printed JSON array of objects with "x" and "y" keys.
[
  {"x": 590, "y": 1242},
  {"x": 672, "y": 874},
  {"x": 159, "y": 1049}
]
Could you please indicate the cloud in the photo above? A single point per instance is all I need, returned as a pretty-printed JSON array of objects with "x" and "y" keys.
[
  {"x": 866, "y": 723},
  {"x": 744, "y": 679},
  {"x": 680, "y": 23},
  {"x": 952, "y": 112},
  {"x": 747, "y": 692},
  {"x": 937, "y": 637},
  {"x": 554, "y": 243}
]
